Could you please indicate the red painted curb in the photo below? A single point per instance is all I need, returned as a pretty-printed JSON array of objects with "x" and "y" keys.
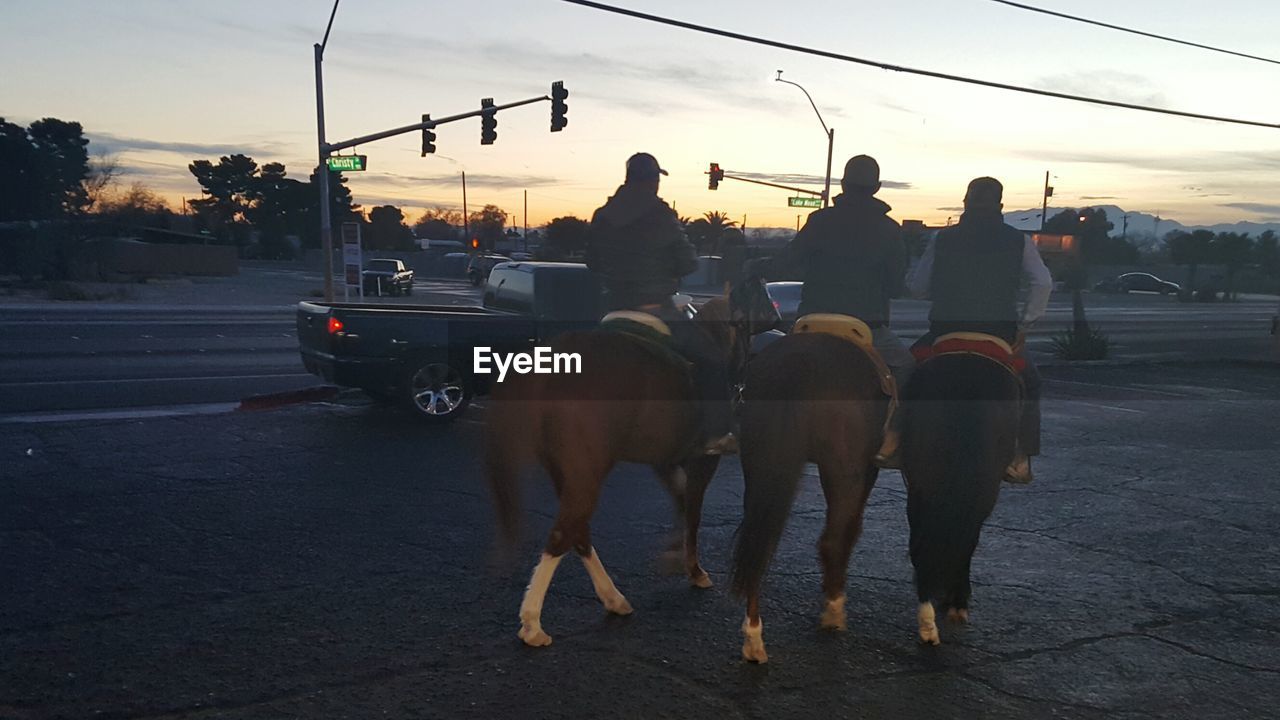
[{"x": 292, "y": 397}]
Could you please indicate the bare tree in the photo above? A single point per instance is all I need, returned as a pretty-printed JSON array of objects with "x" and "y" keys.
[{"x": 104, "y": 169}]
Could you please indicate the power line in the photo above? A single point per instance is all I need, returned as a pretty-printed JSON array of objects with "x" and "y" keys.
[
  {"x": 908, "y": 70},
  {"x": 1121, "y": 28}
]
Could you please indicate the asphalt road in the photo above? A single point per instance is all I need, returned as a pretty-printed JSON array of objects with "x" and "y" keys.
[
  {"x": 83, "y": 356},
  {"x": 239, "y": 340},
  {"x": 333, "y": 561}
]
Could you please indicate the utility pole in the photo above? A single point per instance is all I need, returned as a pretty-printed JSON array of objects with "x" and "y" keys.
[
  {"x": 1124, "y": 234},
  {"x": 326, "y": 224},
  {"x": 831, "y": 138},
  {"x": 797, "y": 223},
  {"x": 526, "y": 221},
  {"x": 1044, "y": 210},
  {"x": 466, "y": 219}
]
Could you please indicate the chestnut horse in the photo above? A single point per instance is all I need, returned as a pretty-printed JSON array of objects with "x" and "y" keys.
[
  {"x": 960, "y": 425},
  {"x": 808, "y": 397},
  {"x": 632, "y": 402}
]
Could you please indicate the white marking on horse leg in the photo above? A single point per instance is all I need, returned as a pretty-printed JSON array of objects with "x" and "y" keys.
[
  {"x": 753, "y": 642},
  {"x": 928, "y": 628},
  {"x": 833, "y": 617},
  {"x": 608, "y": 593},
  {"x": 531, "y": 608},
  {"x": 958, "y": 615}
]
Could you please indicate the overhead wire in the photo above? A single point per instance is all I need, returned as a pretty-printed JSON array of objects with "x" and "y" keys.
[
  {"x": 1143, "y": 33},
  {"x": 909, "y": 70}
]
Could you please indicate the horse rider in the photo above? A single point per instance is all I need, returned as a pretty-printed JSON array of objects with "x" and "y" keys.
[
  {"x": 971, "y": 271},
  {"x": 852, "y": 259},
  {"x": 638, "y": 248}
]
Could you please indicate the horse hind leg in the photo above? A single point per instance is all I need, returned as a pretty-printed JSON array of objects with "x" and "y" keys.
[
  {"x": 846, "y": 493},
  {"x": 578, "y": 495},
  {"x": 612, "y": 600},
  {"x": 698, "y": 473}
]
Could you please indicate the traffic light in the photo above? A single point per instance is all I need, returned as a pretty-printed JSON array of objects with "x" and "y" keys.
[
  {"x": 716, "y": 175},
  {"x": 488, "y": 122},
  {"x": 558, "y": 106},
  {"x": 428, "y": 137},
  {"x": 475, "y": 243}
]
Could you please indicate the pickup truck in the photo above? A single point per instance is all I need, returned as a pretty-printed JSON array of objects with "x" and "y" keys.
[
  {"x": 422, "y": 355},
  {"x": 387, "y": 276}
]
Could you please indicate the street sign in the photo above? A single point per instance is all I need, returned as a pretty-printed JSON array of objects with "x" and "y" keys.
[
  {"x": 804, "y": 202},
  {"x": 349, "y": 163},
  {"x": 351, "y": 261}
]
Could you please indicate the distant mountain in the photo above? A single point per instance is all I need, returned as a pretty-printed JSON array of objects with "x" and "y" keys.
[{"x": 1140, "y": 223}]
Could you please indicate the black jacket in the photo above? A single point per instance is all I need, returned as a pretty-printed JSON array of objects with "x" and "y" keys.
[
  {"x": 851, "y": 258},
  {"x": 977, "y": 267},
  {"x": 638, "y": 248}
]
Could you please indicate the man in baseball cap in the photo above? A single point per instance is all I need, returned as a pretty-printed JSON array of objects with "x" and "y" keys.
[{"x": 638, "y": 248}]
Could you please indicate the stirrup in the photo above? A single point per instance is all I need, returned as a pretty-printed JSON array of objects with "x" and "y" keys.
[{"x": 892, "y": 461}]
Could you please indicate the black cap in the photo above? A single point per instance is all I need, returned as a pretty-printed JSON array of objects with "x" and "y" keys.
[
  {"x": 984, "y": 192},
  {"x": 643, "y": 166}
]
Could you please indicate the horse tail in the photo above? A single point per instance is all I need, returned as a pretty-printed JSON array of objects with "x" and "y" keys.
[
  {"x": 955, "y": 451},
  {"x": 511, "y": 423},
  {"x": 773, "y": 457}
]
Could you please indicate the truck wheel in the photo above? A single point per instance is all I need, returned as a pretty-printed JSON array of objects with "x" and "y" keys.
[{"x": 436, "y": 392}]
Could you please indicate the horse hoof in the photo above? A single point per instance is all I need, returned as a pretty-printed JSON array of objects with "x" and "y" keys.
[
  {"x": 618, "y": 606},
  {"x": 929, "y": 635},
  {"x": 833, "y": 616},
  {"x": 534, "y": 636},
  {"x": 958, "y": 615},
  {"x": 700, "y": 579},
  {"x": 753, "y": 642},
  {"x": 753, "y": 651},
  {"x": 928, "y": 628}
]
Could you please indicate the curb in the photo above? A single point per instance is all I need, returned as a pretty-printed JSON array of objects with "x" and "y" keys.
[{"x": 292, "y": 397}]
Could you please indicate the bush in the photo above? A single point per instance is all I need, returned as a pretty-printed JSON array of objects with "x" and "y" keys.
[{"x": 1071, "y": 345}]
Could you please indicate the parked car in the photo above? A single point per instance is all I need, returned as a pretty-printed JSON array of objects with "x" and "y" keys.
[
  {"x": 386, "y": 276},
  {"x": 481, "y": 265},
  {"x": 422, "y": 355},
  {"x": 786, "y": 298},
  {"x": 1137, "y": 282}
]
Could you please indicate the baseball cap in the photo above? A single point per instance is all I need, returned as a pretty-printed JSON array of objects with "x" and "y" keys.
[
  {"x": 984, "y": 192},
  {"x": 643, "y": 166},
  {"x": 862, "y": 171}
]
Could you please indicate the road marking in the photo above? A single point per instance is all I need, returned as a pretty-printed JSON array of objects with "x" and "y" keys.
[
  {"x": 1100, "y": 405},
  {"x": 151, "y": 380},
  {"x": 122, "y": 414},
  {"x": 1119, "y": 387}
]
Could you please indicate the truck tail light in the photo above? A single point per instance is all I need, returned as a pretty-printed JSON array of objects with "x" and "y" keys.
[{"x": 335, "y": 326}]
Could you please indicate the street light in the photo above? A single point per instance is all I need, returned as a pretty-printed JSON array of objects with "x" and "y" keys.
[
  {"x": 326, "y": 229},
  {"x": 830, "y": 132}
]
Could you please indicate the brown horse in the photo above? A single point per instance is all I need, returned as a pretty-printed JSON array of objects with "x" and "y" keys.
[
  {"x": 814, "y": 398},
  {"x": 632, "y": 402},
  {"x": 960, "y": 425}
]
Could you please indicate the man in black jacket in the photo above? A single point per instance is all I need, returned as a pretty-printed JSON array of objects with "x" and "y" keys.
[
  {"x": 637, "y": 247},
  {"x": 972, "y": 271},
  {"x": 852, "y": 259}
]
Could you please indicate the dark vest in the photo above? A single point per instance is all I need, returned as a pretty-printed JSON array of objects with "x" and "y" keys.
[{"x": 977, "y": 268}]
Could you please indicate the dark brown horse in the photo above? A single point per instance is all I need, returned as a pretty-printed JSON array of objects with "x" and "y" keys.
[
  {"x": 632, "y": 402},
  {"x": 959, "y": 430},
  {"x": 808, "y": 398}
]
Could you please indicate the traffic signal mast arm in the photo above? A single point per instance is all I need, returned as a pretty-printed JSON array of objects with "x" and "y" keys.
[
  {"x": 726, "y": 176},
  {"x": 335, "y": 147}
]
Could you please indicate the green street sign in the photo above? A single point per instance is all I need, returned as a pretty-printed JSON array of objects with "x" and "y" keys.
[
  {"x": 805, "y": 202},
  {"x": 350, "y": 163}
]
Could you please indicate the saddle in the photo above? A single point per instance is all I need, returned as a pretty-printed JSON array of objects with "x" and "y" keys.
[
  {"x": 851, "y": 329},
  {"x": 647, "y": 328},
  {"x": 970, "y": 343}
]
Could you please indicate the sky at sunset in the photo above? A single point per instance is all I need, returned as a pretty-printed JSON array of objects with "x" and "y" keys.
[{"x": 160, "y": 83}]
